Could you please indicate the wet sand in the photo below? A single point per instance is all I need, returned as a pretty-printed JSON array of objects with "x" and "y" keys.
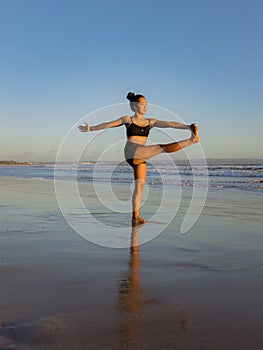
[{"x": 201, "y": 290}]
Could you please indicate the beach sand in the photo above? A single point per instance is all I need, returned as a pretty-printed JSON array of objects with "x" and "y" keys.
[{"x": 200, "y": 290}]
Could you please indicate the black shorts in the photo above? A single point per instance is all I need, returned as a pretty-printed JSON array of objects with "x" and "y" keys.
[{"x": 129, "y": 151}]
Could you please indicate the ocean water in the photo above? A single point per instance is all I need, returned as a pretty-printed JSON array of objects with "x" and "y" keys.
[{"x": 240, "y": 174}]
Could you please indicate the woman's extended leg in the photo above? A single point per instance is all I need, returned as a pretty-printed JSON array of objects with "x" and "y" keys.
[
  {"x": 139, "y": 177},
  {"x": 143, "y": 153}
]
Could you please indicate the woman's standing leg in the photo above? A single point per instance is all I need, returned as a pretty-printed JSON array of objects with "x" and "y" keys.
[{"x": 139, "y": 177}]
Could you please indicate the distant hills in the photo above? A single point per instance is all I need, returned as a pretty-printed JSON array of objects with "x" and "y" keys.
[{"x": 14, "y": 162}]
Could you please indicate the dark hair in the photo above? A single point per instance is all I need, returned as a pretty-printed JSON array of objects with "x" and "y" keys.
[{"x": 134, "y": 98}]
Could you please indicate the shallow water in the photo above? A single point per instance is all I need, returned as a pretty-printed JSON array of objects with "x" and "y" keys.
[{"x": 242, "y": 174}]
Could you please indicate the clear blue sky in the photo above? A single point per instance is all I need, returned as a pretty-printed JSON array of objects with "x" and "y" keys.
[{"x": 60, "y": 60}]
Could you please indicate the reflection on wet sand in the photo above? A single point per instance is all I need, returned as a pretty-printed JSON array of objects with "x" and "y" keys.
[
  {"x": 133, "y": 299},
  {"x": 131, "y": 295}
]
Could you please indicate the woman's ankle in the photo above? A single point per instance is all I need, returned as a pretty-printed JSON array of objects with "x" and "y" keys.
[{"x": 135, "y": 214}]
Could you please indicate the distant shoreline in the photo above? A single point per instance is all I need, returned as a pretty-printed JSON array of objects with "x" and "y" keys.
[
  {"x": 208, "y": 160},
  {"x": 7, "y": 162}
]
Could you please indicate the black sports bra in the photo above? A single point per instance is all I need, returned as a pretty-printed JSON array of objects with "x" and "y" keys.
[{"x": 137, "y": 130}]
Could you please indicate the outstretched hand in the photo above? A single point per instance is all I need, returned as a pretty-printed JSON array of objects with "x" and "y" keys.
[
  {"x": 84, "y": 128},
  {"x": 194, "y": 127}
]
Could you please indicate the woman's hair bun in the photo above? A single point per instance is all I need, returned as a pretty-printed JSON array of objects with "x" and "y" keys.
[{"x": 130, "y": 96}]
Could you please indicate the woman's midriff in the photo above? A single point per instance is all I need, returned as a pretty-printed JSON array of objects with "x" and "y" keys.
[{"x": 138, "y": 140}]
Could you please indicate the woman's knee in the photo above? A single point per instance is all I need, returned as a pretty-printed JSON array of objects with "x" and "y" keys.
[
  {"x": 139, "y": 183},
  {"x": 162, "y": 147}
]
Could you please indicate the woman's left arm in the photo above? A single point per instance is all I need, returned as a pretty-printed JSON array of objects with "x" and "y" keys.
[
  {"x": 111, "y": 124},
  {"x": 169, "y": 124}
]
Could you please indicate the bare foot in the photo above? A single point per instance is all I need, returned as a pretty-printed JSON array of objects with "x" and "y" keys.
[
  {"x": 138, "y": 221},
  {"x": 195, "y": 137}
]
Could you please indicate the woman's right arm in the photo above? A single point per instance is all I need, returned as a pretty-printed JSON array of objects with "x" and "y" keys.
[{"x": 111, "y": 124}]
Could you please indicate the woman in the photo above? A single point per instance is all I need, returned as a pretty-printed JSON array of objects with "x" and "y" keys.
[{"x": 135, "y": 151}]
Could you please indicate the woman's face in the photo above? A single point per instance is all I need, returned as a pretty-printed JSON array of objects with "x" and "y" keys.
[{"x": 140, "y": 106}]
